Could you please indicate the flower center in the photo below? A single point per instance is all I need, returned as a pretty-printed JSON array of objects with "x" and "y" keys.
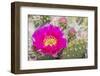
[{"x": 50, "y": 40}]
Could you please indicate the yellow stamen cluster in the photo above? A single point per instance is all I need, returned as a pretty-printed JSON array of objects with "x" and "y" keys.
[{"x": 50, "y": 40}]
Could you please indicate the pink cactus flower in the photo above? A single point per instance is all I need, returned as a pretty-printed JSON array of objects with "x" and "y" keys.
[
  {"x": 63, "y": 20},
  {"x": 49, "y": 40},
  {"x": 72, "y": 31}
]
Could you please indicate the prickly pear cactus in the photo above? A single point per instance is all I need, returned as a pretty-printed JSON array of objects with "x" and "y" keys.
[
  {"x": 40, "y": 20},
  {"x": 75, "y": 49},
  {"x": 33, "y": 55}
]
